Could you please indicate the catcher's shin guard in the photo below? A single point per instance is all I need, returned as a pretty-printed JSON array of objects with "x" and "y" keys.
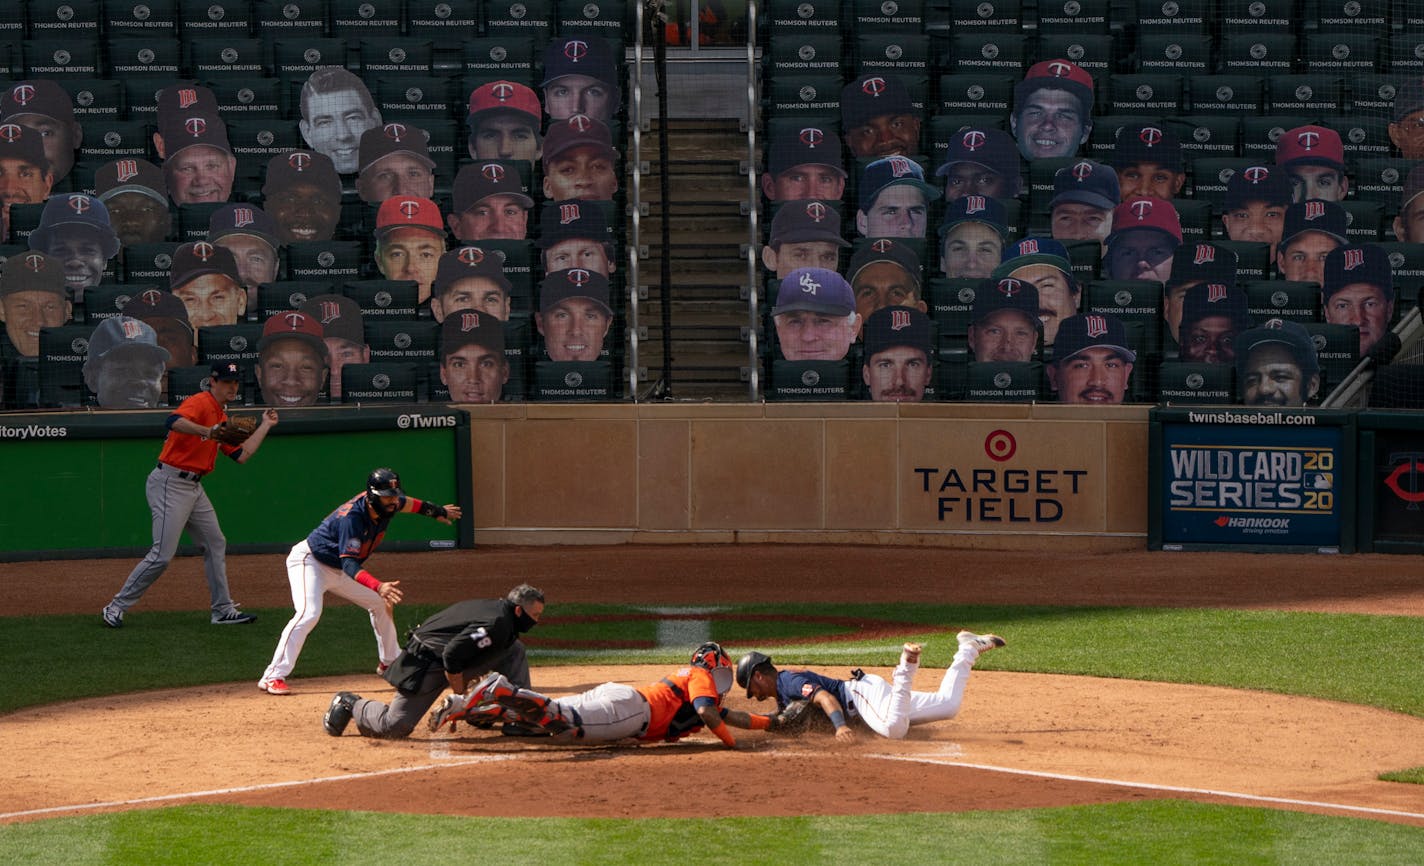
[
  {"x": 484, "y": 718},
  {"x": 535, "y": 709}
]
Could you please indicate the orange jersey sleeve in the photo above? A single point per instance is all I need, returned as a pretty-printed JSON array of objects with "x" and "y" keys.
[{"x": 194, "y": 453}]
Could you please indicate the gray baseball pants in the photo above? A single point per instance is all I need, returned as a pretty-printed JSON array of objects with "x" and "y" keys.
[
  {"x": 177, "y": 504},
  {"x": 399, "y": 718}
]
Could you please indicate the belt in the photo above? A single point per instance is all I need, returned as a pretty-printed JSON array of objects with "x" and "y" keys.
[
  {"x": 644, "y": 698},
  {"x": 182, "y": 473},
  {"x": 415, "y": 648}
]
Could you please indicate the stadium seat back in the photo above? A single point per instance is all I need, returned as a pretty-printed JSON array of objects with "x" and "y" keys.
[
  {"x": 799, "y": 381},
  {"x": 1282, "y": 299},
  {"x": 1185, "y": 52},
  {"x": 1189, "y": 383},
  {"x": 1146, "y": 94},
  {"x": 395, "y": 300},
  {"x": 408, "y": 340},
  {"x": 1005, "y": 382},
  {"x": 326, "y": 261},
  {"x": 381, "y": 382},
  {"x": 573, "y": 381}
]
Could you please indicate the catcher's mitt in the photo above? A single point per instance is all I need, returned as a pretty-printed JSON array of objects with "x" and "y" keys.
[
  {"x": 795, "y": 719},
  {"x": 235, "y": 430}
]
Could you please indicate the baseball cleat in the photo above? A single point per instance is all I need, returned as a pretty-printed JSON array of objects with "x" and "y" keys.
[
  {"x": 233, "y": 616},
  {"x": 910, "y": 653},
  {"x": 338, "y": 715},
  {"x": 113, "y": 617},
  {"x": 277, "y": 686},
  {"x": 381, "y": 669},
  {"x": 451, "y": 710},
  {"x": 981, "y": 642}
]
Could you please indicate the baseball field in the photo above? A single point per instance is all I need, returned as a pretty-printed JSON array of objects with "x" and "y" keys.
[{"x": 1177, "y": 708}]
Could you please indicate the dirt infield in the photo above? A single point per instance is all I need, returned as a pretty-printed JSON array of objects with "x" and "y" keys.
[{"x": 1022, "y": 740}]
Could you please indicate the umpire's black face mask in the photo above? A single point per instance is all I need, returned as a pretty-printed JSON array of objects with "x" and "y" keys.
[{"x": 523, "y": 621}]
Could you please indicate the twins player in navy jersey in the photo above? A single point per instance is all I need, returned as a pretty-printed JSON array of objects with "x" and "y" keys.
[
  {"x": 331, "y": 560},
  {"x": 888, "y": 708}
]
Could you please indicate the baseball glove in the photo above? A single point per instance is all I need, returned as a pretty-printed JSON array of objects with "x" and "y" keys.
[
  {"x": 235, "y": 431},
  {"x": 795, "y": 719}
]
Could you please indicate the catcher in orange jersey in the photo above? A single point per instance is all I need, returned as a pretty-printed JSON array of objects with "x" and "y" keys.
[{"x": 679, "y": 704}]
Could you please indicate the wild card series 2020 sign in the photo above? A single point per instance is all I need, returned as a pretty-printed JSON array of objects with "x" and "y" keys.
[{"x": 1248, "y": 482}]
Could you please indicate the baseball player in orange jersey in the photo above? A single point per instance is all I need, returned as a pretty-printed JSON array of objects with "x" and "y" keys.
[
  {"x": 679, "y": 704},
  {"x": 179, "y": 503}
]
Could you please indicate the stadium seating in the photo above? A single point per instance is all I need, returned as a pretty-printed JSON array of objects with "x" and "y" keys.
[{"x": 1227, "y": 78}]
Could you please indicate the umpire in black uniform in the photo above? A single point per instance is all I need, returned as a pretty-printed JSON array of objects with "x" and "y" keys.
[{"x": 454, "y": 648}]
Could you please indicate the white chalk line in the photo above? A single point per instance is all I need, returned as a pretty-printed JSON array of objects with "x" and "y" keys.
[
  {"x": 1256, "y": 798},
  {"x": 218, "y": 792}
]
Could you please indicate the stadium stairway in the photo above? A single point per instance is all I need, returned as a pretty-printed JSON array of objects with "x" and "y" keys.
[{"x": 707, "y": 297}]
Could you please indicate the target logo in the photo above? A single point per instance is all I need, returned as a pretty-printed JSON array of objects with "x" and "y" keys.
[{"x": 1000, "y": 445}]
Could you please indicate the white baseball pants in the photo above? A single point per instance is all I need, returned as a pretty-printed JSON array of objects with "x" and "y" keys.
[{"x": 311, "y": 581}]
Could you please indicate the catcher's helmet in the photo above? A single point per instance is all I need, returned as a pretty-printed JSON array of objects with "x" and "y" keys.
[
  {"x": 747, "y": 666},
  {"x": 383, "y": 482},
  {"x": 710, "y": 656}
]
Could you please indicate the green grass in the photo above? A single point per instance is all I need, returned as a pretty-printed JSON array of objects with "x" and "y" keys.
[
  {"x": 1370, "y": 660},
  {"x": 1414, "y": 775},
  {"x": 1162, "y": 832},
  {"x": 1360, "y": 659}
]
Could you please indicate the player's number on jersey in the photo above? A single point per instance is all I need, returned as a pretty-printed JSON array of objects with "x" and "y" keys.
[{"x": 481, "y": 638}]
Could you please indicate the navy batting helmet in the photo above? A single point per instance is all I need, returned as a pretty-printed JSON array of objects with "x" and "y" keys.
[
  {"x": 383, "y": 482},
  {"x": 748, "y": 666}
]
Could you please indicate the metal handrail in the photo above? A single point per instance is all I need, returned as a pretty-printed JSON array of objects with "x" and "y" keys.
[
  {"x": 753, "y": 200},
  {"x": 635, "y": 197}
]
